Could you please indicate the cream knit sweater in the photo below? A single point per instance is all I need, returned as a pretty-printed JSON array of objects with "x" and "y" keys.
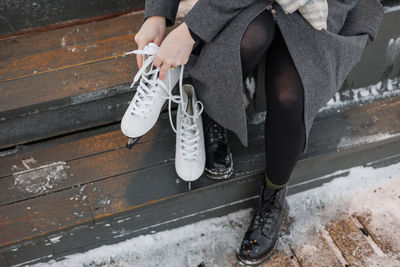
[{"x": 314, "y": 11}]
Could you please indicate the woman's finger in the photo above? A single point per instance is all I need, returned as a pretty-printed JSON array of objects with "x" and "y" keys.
[
  {"x": 157, "y": 61},
  {"x": 139, "y": 58},
  {"x": 163, "y": 71},
  {"x": 141, "y": 44}
]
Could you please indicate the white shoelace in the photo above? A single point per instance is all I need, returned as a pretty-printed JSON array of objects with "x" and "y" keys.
[
  {"x": 149, "y": 85},
  {"x": 189, "y": 132}
]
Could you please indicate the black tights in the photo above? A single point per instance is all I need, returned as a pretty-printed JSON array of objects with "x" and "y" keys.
[{"x": 284, "y": 124}]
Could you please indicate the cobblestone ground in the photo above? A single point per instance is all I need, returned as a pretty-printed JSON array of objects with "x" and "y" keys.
[{"x": 365, "y": 233}]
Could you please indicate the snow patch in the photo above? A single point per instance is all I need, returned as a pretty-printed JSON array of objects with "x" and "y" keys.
[
  {"x": 388, "y": 9},
  {"x": 55, "y": 240},
  {"x": 258, "y": 117},
  {"x": 380, "y": 90},
  {"x": 393, "y": 49},
  {"x": 346, "y": 142}
]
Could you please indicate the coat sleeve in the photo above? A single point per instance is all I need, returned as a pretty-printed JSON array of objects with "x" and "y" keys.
[
  {"x": 208, "y": 17},
  {"x": 364, "y": 18},
  {"x": 164, "y": 8}
]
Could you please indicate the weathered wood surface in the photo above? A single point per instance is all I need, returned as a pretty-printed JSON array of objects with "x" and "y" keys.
[
  {"x": 81, "y": 64},
  {"x": 65, "y": 57},
  {"x": 66, "y": 82},
  {"x": 56, "y": 13},
  {"x": 100, "y": 157},
  {"x": 93, "y": 174},
  {"x": 72, "y": 61},
  {"x": 83, "y": 51},
  {"x": 38, "y": 216},
  {"x": 82, "y": 34},
  {"x": 45, "y": 75}
]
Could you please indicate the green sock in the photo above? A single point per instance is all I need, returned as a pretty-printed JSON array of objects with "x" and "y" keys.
[{"x": 268, "y": 183}]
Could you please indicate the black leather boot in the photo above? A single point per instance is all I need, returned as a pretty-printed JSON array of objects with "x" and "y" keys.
[
  {"x": 219, "y": 163},
  {"x": 262, "y": 234}
]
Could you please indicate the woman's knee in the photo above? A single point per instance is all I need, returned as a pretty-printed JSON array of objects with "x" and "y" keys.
[{"x": 289, "y": 102}]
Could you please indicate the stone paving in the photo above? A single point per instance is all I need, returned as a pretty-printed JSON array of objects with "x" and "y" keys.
[{"x": 366, "y": 233}]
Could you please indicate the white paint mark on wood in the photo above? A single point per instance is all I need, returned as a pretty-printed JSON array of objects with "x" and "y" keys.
[
  {"x": 63, "y": 42},
  {"x": 40, "y": 179},
  {"x": 27, "y": 162}
]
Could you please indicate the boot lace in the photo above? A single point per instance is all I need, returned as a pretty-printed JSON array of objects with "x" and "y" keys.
[{"x": 265, "y": 213}]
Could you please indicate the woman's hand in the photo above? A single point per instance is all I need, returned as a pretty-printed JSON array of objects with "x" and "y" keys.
[
  {"x": 174, "y": 50},
  {"x": 152, "y": 30}
]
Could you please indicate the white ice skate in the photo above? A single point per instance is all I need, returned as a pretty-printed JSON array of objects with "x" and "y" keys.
[
  {"x": 150, "y": 97},
  {"x": 190, "y": 156}
]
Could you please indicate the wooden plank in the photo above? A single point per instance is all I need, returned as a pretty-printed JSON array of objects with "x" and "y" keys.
[
  {"x": 47, "y": 12},
  {"x": 85, "y": 111},
  {"x": 65, "y": 57},
  {"x": 40, "y": 216},
  {"x": 354, "y": 125},
  {"x": 65, "y": 83},
  {"x": 350, "y": 240},
  {"x": 120, "y": 161},
  {"x": 108, "y": 165},
  {"x": 47, "y": 178},
  {"x": 3, "y": 260},
  {"x": 78, "y": 145},
  {"x": 83, "y": 34},
  {"x": 126, "y": 192},
  {"x": 94, "y": 159}
]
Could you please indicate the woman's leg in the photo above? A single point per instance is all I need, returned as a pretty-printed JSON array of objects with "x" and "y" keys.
[
  {"x": 284, "y": 125},
  {"x": 284, "y": 138},
  {"x": 255, "y": 41}
]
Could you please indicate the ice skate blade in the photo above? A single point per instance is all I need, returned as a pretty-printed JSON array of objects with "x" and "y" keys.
[{"x": 132, "y": 142}]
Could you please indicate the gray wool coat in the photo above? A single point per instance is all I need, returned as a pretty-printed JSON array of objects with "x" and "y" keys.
[{"x": 323, "y": 58}]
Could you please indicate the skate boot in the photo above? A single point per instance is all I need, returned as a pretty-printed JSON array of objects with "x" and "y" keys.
[
  {"x": 190, "y": 155},
  {"x": 219, "y": 163},
  {"x": 262, "y": 234},
  {"x": 150, "y": 97}
]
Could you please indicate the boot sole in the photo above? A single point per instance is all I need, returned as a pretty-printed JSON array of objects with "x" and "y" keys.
[
  {"x": 220, "y": 175},
  {"x": 267, "y": 256}
]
